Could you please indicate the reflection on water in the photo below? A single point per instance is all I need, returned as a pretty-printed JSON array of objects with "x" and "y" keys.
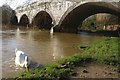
[{"x": 40, "y": 46}]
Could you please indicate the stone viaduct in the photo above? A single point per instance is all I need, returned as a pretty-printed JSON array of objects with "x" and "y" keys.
[{"x": 66, "y": 16}]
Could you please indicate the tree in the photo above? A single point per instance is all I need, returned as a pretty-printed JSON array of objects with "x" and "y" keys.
[{"x": 6, "y": 14}]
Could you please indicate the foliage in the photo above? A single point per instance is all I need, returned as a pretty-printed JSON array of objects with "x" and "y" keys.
[
  {"x": 7, "y": 13},
  {"x": 89, "y": 23},
  {"x": 99, "y": 20}
]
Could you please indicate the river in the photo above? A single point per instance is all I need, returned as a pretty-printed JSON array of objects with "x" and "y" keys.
[{"x": 40, "y": 46}]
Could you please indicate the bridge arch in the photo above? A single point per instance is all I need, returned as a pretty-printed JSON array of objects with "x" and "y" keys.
[
  {"x": 74, "y": 17},
  {"x": 43, "y": 20},
  {"x": 24, "y": 20},
  {"x": 13, "y": 20}
]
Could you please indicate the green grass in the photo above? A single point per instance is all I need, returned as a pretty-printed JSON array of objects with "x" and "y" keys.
[
  {"x": 48, "y": 72},
  {"x": 103, "y": 51}
]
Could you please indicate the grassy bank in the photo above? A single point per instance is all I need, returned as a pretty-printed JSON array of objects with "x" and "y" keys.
[{"x": 102, "y": 51}]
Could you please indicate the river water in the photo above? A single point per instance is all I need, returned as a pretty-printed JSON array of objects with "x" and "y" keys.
[{"x": 40, "y": 46}]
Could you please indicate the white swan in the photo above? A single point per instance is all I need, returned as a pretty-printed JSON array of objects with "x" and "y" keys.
[{"x": 21, "y": 59}]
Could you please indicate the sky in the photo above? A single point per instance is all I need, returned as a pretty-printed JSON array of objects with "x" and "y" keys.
[
  {"x": 15, "y": 3},
  {"x": 2, "y": 2}
]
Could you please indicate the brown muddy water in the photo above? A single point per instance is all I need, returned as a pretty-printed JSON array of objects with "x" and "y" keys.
[{"x": 40, "y": 46}]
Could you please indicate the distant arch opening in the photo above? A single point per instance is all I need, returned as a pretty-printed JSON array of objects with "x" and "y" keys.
[
  {"x": 24, "y": 20},
  {"x": 101, "y": 21},
  {"x": 42, "y": 20}
]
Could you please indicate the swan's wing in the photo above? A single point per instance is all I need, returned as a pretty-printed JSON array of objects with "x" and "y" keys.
[{"x": 22, "y": 58}]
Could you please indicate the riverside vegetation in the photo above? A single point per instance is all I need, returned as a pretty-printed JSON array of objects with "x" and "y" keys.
[{"x": 105, "y": 51}]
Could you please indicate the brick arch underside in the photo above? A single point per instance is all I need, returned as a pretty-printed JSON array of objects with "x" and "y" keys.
[
  {"x": 42, "y": 20},
  {"x": 71, "y": 21}
]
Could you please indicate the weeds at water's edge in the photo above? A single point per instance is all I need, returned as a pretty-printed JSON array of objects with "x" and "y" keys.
[{"x": 104, "y": 51}]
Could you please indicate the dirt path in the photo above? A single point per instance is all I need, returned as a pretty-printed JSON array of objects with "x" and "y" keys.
[{"x": 95, "y": 70}]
